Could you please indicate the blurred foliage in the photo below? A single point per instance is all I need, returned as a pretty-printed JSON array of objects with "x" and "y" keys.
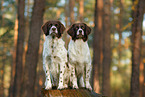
[{"x": 55, "y": 9}]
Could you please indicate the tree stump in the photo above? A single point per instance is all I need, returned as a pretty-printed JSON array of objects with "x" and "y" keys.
[{"x": 69, "y": 93}]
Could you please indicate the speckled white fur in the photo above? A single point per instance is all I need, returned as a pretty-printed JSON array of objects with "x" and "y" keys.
[
  {"x": 80, "y": 63},
  {"x": 54, "y": 63}
]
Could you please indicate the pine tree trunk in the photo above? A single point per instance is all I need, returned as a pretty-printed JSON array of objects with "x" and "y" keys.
[
  {"x": 141, "y": 77},
  {"x": 40, "y": 73},
  {"x": 120, "y": 31},
  {"x": 13, "y": 66},
  {"x": 97, "y": 44},
  {"x": 81, "y": 10},
  {"x": 144, "y": 83},
  {"x": 27, "y": 31},
  {"x": 2, "y": 74},
  {"x": 136, "y": 47},
  {"x": 3, "y": 56},
  {"x": 33, "y": 48},
  {"x": 66, "y": 11},
  {"x": 106, "y": 50},
  {"x": 2, "y": 89},
  {"x": 65, "y": 35},
  {"x": 113, "y": 22},
  {"x": 19, "y": 50},
  {"x": 71, "y": 10}
]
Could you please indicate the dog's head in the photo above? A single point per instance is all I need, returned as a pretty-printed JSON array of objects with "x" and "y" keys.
[
  {"x": 53, "y": 28},
  {"x": 79, "y": 31}
]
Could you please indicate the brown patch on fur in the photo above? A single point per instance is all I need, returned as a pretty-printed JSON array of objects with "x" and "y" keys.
[
  {"x": 73, "y": 30},
  {"x": 46, "y": 27}
]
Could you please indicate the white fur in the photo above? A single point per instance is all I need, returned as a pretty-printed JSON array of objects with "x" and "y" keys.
[
  {"x": 50, "y": 31},
  {"x": 54, "y": 63},
  {"x": 79, "y": 30},
  {"x": 80, "y": 61}
]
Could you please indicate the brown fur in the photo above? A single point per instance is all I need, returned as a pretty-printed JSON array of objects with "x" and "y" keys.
[
  {"x": 46, "y": 27},
  {"x": 73, "y": 29}
]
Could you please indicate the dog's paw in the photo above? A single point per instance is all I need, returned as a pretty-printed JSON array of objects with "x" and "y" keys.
[
  {"x": 60, "y": 87},
  {"x": 75, "y": 86},
  {"x": 48, "y": 86},
  {"x": 65, "y": 86},
  {"x": 88, "y": 86},
  {"x": 82, "y": 84}
]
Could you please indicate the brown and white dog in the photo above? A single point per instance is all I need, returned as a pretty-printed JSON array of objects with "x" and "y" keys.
[
  {"x": 55, "y": 56},
  {"x": 79, "y": 55}
]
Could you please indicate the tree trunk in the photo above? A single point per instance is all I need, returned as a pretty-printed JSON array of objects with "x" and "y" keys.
[
  {"x": 120, "y": 31},
  {"x": 136, "y": 48},
  {"x": 13, "y": 66},
  {"x": 3, "y": 57},
  {"x": 144, "y": 83},
  {"x": 66, "y": 36},
  {"x": 112, "y": 23},
  {"x": 106, "y": 50},
  {"x": 71, "y": 10},
  {"x": 2, "y": 78},
  {"x": 141, "y": 77},
  {"x": 40, "y": 73},
  {"x": 142, "y": 67},
  {"x": 33, "y": 48},
  {"x": 66, "y": 11},
  {"x": 81, "y": 10},
  {"x": 19, "y": 49},
  {"x": 97, "y": 44},
  {"x": 27, "y": 31},
  {"x": 2, "y": 94}
]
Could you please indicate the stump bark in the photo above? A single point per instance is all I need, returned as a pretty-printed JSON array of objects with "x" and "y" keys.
[{"x": 69, "y": 93}]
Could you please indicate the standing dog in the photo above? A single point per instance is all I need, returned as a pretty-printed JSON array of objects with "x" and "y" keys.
[
  {"x": 79, "y": 55},
  {"x": 54, "y": 56}
]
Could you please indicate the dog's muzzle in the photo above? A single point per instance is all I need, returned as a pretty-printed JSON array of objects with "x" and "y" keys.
[
  {"x": 53, "y": 34},
  {"x": 79, "y": 36}
]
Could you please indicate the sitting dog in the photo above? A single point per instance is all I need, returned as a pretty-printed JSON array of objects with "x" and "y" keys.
[
  {"x": 79, "y": 55},
  {"x": 55, "y": 56}
]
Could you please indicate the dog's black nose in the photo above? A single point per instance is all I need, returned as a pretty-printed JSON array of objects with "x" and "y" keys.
[
  {"x": 80, "y": 31},
  {"x": 53, "y": 29}
]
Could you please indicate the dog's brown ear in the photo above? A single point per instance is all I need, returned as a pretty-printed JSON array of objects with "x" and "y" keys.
[
  {"x": 87, "y": 29},
  {"x": 62, "y": 28},
  {"x": 44, "y": 28},
  {"x": 70, "y": 31}
]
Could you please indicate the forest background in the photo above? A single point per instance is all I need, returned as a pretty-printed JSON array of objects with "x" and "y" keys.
[{"x": 117, "y": 44}]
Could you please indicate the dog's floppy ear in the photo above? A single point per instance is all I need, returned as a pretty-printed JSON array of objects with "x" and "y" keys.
[
  {"x": 87, "y": 29},
  {"x": 70, "y": 31},
  {"x": 44, "y": 28},
  {"x": 62, "y": 28}
]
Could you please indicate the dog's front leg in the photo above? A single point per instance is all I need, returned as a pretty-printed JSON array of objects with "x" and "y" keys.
[
  {"x": 66, "y": 75},
  {"x": 73, "y": 78},
  {"x": 82, "y": 84},
  {"x": 88, "y": 75},
  {"x": 61, "y": 76},
  {"x": 48, "y": 84}
]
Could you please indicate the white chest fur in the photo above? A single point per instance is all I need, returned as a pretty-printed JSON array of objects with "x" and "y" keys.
[
  {"x": 79, "y": 52},
  {"x": 80, "y": 63},
  {"x": 55, "y": 48},
  {"x": 54, "y": 53}
]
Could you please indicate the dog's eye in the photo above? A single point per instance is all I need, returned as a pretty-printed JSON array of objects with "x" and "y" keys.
[
  {"x": 82, "y": 27},
  {"x": 76, "y": 28},
  {"x": 50, "y": 25},
  {"x": 56, "y": 25}
]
